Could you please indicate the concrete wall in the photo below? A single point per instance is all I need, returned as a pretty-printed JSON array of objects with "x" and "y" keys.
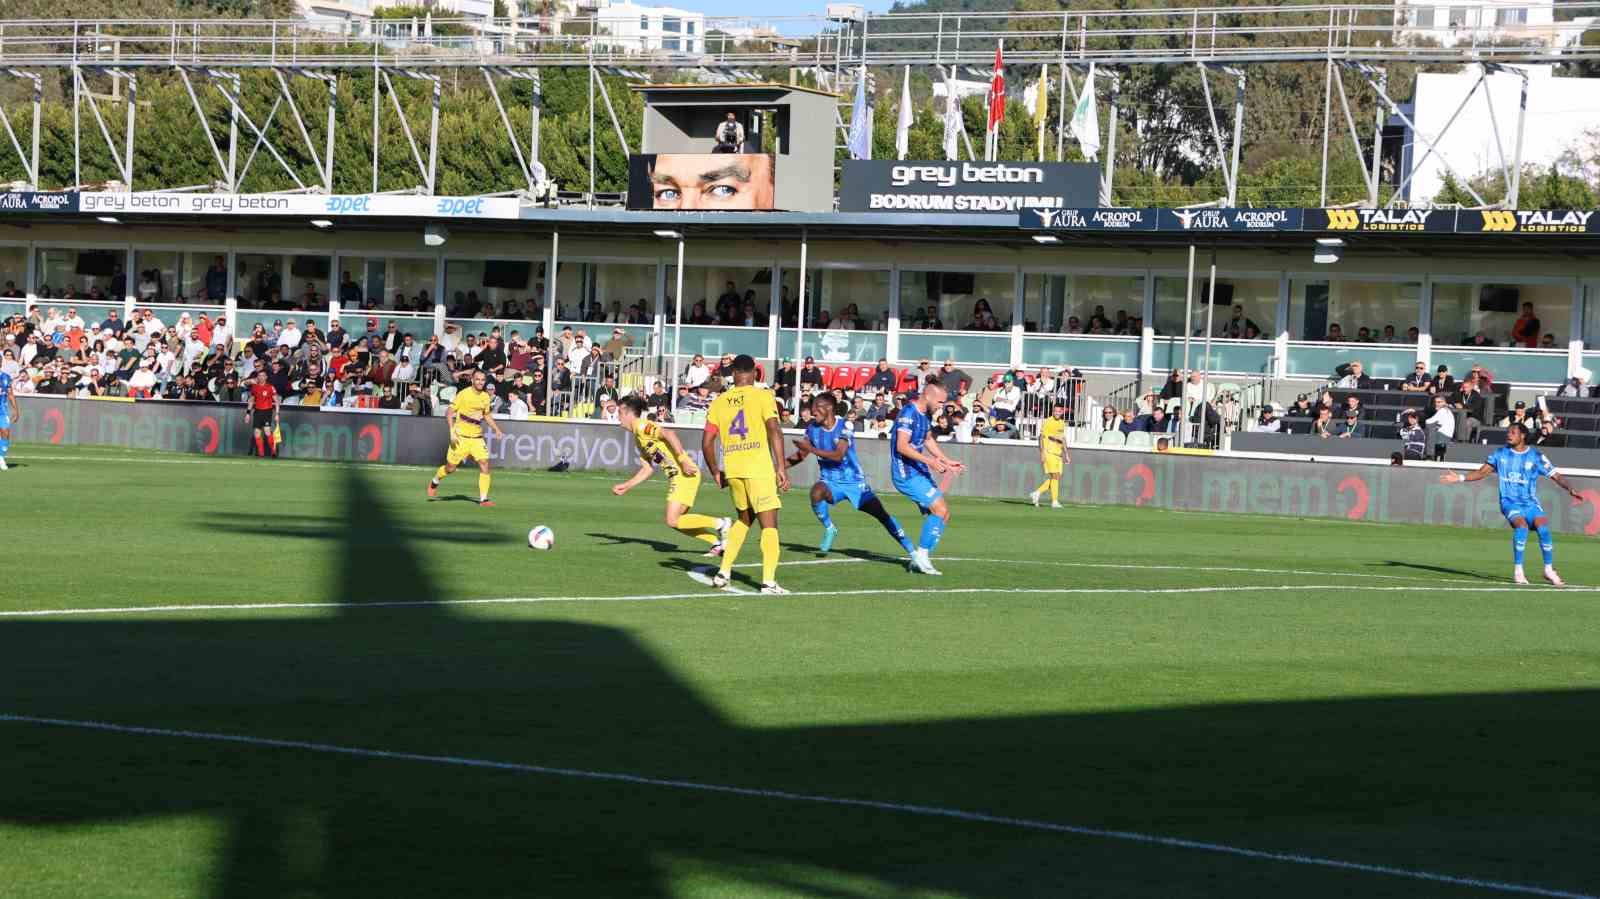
[{"x": 1104, "y": 477}]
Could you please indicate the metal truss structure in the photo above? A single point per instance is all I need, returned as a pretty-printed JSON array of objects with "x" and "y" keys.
[{"x": 1356, "y": 39}]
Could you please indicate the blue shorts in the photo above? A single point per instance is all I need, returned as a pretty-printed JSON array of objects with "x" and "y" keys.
[
  {"x": 920, "y": 489},
  {"x": 1527, "y": 511},
  {"x": 854, "y": 494}
]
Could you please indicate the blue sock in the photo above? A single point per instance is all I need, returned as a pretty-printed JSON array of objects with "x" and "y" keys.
[
  {"x": 898, "y": 533},
  {"x": 1547, "y": 545},
  {"x": 1519, "y": 543},
  {"x": 821, "y": 508},
  {"x": 5, "y": 446},
  {"x": 932, "y": 530}
]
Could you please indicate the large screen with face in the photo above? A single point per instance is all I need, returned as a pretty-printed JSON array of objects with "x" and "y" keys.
[{"x": 697, "y": 182}]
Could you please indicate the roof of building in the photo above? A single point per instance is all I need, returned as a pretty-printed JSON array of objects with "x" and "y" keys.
[{"x": 752, "y": 87}]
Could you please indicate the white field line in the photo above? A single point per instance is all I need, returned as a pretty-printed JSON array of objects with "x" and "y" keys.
[
  {"x": 1138, "y": 567},
  {"x": 670, "y": 597},
  {"x": 927, "y": 811}
]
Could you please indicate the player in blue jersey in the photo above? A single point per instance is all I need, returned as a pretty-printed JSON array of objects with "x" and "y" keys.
[
  {"x": 8, "y": 413},
  {"x": 1518, "y": 468},
  {"x": 839, "y": 474},
  {"x": 913, "y": 460}
]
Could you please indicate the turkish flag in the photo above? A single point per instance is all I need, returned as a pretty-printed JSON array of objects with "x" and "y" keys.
[{"x": 997, "y": 90}]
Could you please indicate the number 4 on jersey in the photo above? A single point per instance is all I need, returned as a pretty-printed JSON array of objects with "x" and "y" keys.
[{"x": 737, "y": 427}]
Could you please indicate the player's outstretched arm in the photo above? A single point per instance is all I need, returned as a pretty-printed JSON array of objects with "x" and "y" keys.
[
  {"x": 836, "y": 454},
  {"x": 1456, "y": 477},
  {"x": 949, "y": 463},
  {"x": 639, "y": 477},
  {"x": 1562, "y": 482},
  {"x": 902, "y": 445},
  {"x": 488, "y": 419}
]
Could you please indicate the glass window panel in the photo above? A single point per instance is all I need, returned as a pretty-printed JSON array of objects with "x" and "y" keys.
[
  {"x": 1230, "y": 356},
  {"x": 258, "y": 280},
  {"x": 13, "y": 272},
  {"x": 1256, "y": 300},
  {"x": 1081, "y": 352},
  {"x": 607, "y": 292},
  {"x": 965, "y": 301},
  {"x": 1324, "y": 361},
  {"x": 985, "y": 349},
  {"x": 856, "y": 300},
  {"x": 84, "y": 274},
  {"x": 489, "y": 287},
  {"x": 834, "y": 346},
  {"x": 1334, "y": 309},
  {"x": 1518, "y": 366},
  {"x": 1591, "y": 313},
  {"x": 1064, "y": 304},
  {"x": 310, "y": 280},
  {"x": 714, "y": 294},
  {"x": 400, "y": 283},
  {"x": 1459, "y": 312}
]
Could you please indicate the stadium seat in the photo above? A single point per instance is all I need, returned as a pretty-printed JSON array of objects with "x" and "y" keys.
[
  {"x": 582, "y": 410},
  {"x": 843, "y": 377},
  {"x": 827, "y": 374},
  {"x": 907, "y": 380},
  {"x": 863, "y": 375},
  {"x": 1113, "y": 438},
  {"x": 1140, "y": 439}
]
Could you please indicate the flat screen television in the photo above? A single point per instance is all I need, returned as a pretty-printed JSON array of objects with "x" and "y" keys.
[
  {"x": 1498, "y": 298},
  {"x": 97, "y": 263},
  {"x": 315, "y": 268},
  {"x": 507, "y": 273}
]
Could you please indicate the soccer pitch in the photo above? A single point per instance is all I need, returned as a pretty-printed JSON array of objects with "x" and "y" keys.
[{"x": 230, "y": 677}]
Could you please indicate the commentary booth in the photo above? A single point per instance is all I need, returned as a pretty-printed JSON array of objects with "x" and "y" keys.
[{"x": 784, "y": 162}]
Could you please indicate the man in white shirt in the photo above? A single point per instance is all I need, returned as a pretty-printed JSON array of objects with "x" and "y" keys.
[
  {"x": 144, "y": 379},
  {"x": 73, "y": 320},
  {"x": 580, "y": 349},
  {"x": 517, "y": 409},
  {"x": 1006, "y": 399},
  {"x": 150, "y": 324},
  {"x": 221, "y": 334},
  {"x": 289, "y": 336},
  {"x": 1441, "y": 426}
]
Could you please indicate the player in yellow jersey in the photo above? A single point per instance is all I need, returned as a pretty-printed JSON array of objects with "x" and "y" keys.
[
  {"x": 659, "y": 448},
  {"x": 469, "y": 412},
  {"x": 1052, "y": 454},
  {"x": 745, "y": 419}
]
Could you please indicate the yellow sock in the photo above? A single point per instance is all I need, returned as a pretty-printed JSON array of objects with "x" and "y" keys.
[
  {"x": 1045, "y": 486},
  {"x": 730, "y": 550},
  {"x": 440, "y": 474},
  {"x": 769, "y": 555},
  {"x": 700, "y": 527},
  {"x": 483, "y": 486},
  {"x": 1055, "y": 490}
]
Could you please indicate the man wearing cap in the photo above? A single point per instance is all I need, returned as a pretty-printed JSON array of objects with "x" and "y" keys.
[
  {"x": 1443, "y": 384},
  {"x": 617, "y": 345}
]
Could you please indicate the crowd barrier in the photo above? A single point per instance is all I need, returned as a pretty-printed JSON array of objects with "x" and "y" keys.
[{"x": 1212, "y": 483}]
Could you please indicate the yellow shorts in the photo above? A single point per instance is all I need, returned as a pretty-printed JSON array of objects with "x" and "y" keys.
[
  {"x": 755, "y": 494},
  {"x": 682, "y": 490},
  {"x": 1052, "y": 464},
  {"x": 467, "y": 448}
]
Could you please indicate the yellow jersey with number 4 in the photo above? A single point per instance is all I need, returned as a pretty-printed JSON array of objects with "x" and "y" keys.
[
  {"x": 739, "y": 419},
  {"x": 1053, "y": 436}
]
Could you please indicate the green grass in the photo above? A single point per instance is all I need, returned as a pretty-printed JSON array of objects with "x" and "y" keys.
[{"x": 1444, "y": 727}]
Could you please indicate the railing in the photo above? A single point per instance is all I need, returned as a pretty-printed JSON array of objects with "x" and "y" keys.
[{"x": 1237, "y": 34}]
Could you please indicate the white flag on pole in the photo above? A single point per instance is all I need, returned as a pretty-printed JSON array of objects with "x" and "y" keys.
[
  {"x": 952, "y": 122},
  {"x": 1086, "y": 119},
  {"x": 902, "y": 131}
]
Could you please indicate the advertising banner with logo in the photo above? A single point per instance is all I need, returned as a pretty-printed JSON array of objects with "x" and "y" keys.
[
  {"x": 1092, "y": 219},
  {"x": 1527, "y": 221},
  {"x": 307, "y": 205},
  {"x": 702, "y": 182},
  {"x": 1231, "y": 219},
  {"x": 34, "y": 201},
  {"x": 1378, "y": 493},
  {"x": 1384, "y": 220},
  {"x": 984, "y": 188}
]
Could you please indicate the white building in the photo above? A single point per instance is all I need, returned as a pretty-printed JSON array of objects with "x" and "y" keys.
[
  {"x": 1562, "y": 115},
  {"x": 347, "y": 14},
  {"x": 650, "y": 29},
  {"x": 1483, "y": 21}
]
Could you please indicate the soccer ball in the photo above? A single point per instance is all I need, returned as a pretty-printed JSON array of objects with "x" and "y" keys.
[{"x": 541, "y": 537}]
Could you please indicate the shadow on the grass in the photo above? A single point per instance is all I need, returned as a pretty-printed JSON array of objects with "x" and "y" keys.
[
  {"x": 1441, "y": 569},
  {"x": 1492, "y": 786}
]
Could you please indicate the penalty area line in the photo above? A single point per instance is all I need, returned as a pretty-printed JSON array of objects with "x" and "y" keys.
[
  {"x": 775, "y": 795},
  {"x": 798, "y": 594}
]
